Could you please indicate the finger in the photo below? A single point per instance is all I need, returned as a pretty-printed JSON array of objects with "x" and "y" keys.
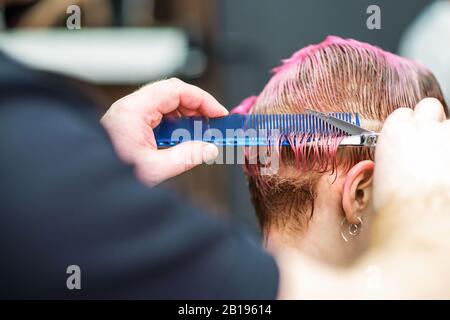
[
  {"x": 429, "y": 109},
  {"x": 193, "y": 98},
  {"x": 174, "y": 114},
  {"x": 399, "y": 115},
  {"x": 168, "y": 95},
  {"x": 185, "y": 156},
  {"x": 188, "y": 112}
]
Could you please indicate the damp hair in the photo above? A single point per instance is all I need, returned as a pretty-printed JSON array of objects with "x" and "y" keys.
[{"x": 336, "y": 75}]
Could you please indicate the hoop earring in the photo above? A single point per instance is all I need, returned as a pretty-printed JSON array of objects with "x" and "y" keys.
[{"x": 350, "y": 230}]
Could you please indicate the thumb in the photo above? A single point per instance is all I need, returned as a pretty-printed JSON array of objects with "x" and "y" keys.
[{"x": 185, "y": 156}]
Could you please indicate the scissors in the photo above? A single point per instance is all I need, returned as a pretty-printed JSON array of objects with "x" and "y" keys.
[{"x": 357, "y": 136}]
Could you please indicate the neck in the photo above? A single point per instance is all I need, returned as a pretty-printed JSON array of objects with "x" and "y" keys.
[
  {"x": 321, "y": 240},
  {"x": 321, "y": 237}
]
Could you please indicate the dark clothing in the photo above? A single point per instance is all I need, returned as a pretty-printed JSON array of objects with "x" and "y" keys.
[{"x": 66, "y": 199}]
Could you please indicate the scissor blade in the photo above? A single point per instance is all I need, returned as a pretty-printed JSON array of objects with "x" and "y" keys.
[{"x": 345, "y": 126}]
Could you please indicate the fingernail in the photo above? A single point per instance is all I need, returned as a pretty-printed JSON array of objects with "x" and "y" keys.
[
  {"x": 225, "y": 110},
  {"x": 209, "y": 152}
]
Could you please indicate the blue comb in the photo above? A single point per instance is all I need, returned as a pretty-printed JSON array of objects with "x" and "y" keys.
[{"x": 252, "y": 130}]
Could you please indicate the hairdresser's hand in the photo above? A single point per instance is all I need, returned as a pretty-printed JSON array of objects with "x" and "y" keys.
[
  {"x": 413, "y": 154},
  {"x": 130, "y": 122}
]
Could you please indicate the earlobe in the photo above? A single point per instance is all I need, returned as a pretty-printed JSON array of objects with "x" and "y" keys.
[{"x": 357, "y": 190}]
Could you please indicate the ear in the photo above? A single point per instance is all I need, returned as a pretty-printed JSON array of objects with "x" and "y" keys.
[{"x": 357, "y": 190}]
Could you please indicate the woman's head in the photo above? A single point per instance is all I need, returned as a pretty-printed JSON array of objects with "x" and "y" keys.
[{"x": 335, "y": 75}]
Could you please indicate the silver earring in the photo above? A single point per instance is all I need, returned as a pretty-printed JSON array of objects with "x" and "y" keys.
[{"x": 349, "y": 230}]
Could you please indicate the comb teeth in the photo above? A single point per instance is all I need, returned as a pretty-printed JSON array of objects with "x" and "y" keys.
[{"x": 285, "y": 124}]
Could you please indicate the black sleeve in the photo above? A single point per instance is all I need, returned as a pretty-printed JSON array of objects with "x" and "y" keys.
[{"x": 67, "y": 200}]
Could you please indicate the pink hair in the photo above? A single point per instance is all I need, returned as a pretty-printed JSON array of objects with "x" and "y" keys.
[
  {"x": 245, "y": 106},
  {"x": 342, "y": 75},
  {"x": 336, "y": 75}
]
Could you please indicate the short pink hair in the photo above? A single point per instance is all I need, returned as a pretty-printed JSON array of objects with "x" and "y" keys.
[{"x": 337, "y": 74}]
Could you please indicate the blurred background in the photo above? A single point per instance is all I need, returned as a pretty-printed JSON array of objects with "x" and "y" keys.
[{"x": 227, "y": 47}]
